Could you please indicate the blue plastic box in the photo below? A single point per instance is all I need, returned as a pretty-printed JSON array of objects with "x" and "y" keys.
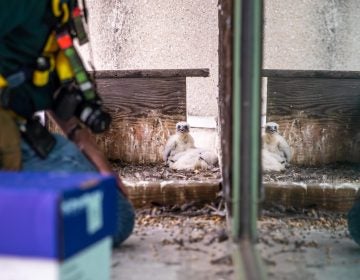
[{"x": 55, "y": 215}]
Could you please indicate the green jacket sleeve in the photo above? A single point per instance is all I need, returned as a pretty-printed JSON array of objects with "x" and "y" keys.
[
  {"x": 23, "y": 32},
  {"x": 12, "y": 14}
]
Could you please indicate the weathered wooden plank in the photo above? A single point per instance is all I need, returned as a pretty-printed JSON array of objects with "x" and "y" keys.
[
  {"x": 327, "y": 74},
  {"x": 136, "y": 98},
  {"x": 148, "y": 193},
  {"x": 319, "y": 98},
  {"x": 144, "y": 113},
  {"x": 225, "y": 93},
  {"x": 152, "y": 73},
  {"x": 320, "y": 118}
]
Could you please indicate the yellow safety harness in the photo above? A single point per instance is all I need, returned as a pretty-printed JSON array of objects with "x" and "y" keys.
[{"x": 56, "y": 56}]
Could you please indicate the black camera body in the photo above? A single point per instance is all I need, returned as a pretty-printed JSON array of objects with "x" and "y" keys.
[
  {"x": 69, "y": 101},
  {"x": 37, "y": 136}
]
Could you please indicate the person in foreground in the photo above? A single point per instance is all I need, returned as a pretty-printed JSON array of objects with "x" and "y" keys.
[
  {"x": 40, "y": 70},
  {"x": 354, "y": 220}
]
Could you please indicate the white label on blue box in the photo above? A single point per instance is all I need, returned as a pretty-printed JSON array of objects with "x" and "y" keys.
[
  {"x": 93, "y": 263},
  {"x": 92, "y": 204}
]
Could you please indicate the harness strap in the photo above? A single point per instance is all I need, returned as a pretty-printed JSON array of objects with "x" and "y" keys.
[
  {"x": 38, "y": 75},
  {"x": 52, "y": 58},
  {"x": 45, "y": 64},
  {"x": 3, "y": 82},
  {"x": 58, "y": 53},
  {"x": 60, "y": 9}
]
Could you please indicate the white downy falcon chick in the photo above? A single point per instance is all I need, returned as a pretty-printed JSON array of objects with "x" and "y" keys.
[
  {"x": 277, "y": 149},
  {"x": 180, "y": 152},
  {"x": 194, "y": 159},
  {"x": 188, "y": 160},
  {"x": 178, "y": 142}
]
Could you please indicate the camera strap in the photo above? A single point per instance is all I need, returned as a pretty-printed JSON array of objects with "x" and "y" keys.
[{"x": 69, "y": 65}]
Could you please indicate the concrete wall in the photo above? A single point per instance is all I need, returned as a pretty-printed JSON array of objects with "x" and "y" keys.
[
  {"x": 154, "y": 34},
  {"x": 146, "y": 34},
  {"x": 312, "y": 34}
]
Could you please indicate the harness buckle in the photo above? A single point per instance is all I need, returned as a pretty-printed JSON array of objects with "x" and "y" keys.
[{"x": 41, "y": 73}]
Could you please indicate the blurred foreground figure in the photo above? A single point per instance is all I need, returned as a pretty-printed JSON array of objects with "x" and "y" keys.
[
  {"x": 354, "y": 221},
  {"x": 40, "y": 69}
]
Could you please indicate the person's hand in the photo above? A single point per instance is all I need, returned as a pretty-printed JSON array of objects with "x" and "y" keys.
[{"x": 85, "y": 141}]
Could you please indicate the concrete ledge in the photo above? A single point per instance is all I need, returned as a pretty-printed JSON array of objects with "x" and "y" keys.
[
  {"x": 201, "y": 122},
  {"x": 149, "y": 193},
  {"x": 333, "y": 197}
]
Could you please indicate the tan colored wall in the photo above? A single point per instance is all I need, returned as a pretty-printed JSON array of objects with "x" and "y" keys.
[
  {"x": 312, "y": 34},
  {"x": 149, "y": 34}
]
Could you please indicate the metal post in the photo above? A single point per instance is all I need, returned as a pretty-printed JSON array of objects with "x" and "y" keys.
[
  {"x": 246, "y": 115},
  {"x": 246, "y": 173}
]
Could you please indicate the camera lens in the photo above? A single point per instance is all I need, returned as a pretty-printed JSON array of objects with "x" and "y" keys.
[
  {"x": 70, "y": 102},
  {"x": 96, "y": 119},
  {"x": 101, "y": 123}
]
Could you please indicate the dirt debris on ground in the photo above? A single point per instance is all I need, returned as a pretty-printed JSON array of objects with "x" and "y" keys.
[
  {"x": 339, "y": 172},
  {"x": 294, "y": 244},
  {"x": 307, "y": 244},
  {"x": 189, "y": 209},
  {"x": 299, "y": 223},
  {"x": 160, "y": 172},
  {"x": 168, "y": 243},
  {"x": 186, "y": 231}
]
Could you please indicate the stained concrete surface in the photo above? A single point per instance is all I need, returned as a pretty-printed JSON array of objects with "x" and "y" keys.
[
  {"x": 294, "y": 243},
  {"x": 175, "y": 248},
  {"x": 312, "y": 246}
]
